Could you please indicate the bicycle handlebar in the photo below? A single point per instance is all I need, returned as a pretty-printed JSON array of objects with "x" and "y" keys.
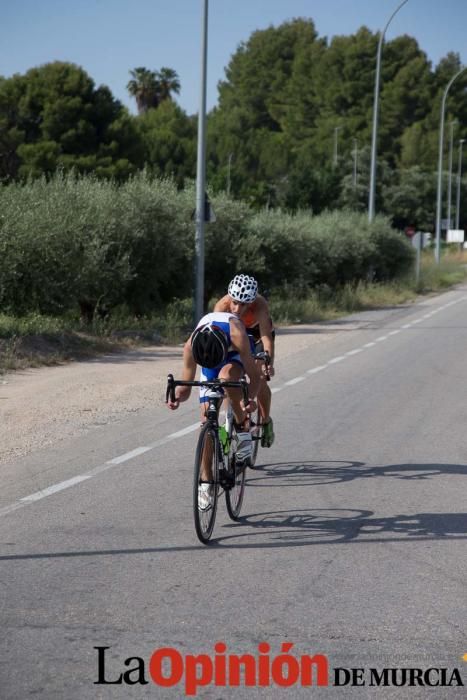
[
  {"x": 217, "y": 383},
  {"x": 209, "y": 384}
]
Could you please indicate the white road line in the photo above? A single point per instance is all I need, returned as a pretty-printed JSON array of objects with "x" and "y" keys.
[
  {"x": 336, "y": 359},
  {"x": 129, "y": 455},
  {"x": 296, "y": 380},
  {"x": 314, "y": 370},
  {"x": 354, "y": 352},
  {"x": 54, "y": 489},
  {"x": 184, "y": 431},
  {"x": 10, "y": 509},
  {"x": 62, "y": 485}
]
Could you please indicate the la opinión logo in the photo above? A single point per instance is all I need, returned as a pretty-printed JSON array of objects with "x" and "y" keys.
[{"x": 167, "y": 667}]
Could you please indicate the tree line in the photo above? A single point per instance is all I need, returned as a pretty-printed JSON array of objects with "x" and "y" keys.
[
  {"x": 77, "y": 244},
  {"x": 292, "y": 128}
]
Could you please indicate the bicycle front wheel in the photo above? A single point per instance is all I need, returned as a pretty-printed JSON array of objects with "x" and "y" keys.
[
  {"x": 206, "y": 483},
  {"x": 234, "y": 495}
]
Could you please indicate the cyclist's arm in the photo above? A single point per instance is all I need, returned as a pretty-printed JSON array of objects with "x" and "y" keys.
[
  {"x": 182, "y": 393},
  {"x": 241, "y": 342},
  {"x": 265, "y": 331},
  {"x": 222, "y": 304}
]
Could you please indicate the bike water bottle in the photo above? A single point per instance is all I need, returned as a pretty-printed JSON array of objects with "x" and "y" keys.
[{"x": 224, "y": 438}]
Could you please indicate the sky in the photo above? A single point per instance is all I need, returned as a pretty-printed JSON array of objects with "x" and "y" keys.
[{"x": 108, "y": 38}]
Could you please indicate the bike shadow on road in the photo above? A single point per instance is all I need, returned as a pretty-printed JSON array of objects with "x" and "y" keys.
[
  {"x": 324, "y": 526},
  {"x": 315, "y": 526},
  {"x": 316, "y": 473},
  {"x": 298, "y": 528}
]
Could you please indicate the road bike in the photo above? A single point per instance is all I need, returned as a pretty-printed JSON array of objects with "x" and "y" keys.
[{"x": 216, "y": 470}]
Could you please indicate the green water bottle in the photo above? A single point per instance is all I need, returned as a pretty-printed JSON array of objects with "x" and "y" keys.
[{"x": 224, "y": 438}]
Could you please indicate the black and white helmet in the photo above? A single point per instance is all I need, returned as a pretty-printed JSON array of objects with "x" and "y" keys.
[
  {"x": 243, "y": 289},
  {"x": 209, "y": 345}
]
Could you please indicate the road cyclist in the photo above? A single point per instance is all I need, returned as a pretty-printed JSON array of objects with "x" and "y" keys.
[
  {"x": 221, "y": 347},
  {"x": 243, "y": 300}
]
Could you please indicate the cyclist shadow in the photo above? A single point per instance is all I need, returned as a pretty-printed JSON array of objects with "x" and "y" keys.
[
  {"x": 315, "y": 526},
  {"x": 315, "y": 473}
]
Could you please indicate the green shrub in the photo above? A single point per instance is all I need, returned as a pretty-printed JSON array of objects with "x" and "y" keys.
[{"x": 77, "y": 244}]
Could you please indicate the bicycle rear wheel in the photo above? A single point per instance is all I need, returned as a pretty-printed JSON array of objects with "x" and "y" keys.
[
  {"x": 234, "y": 494},
  {"x": 256, "y": 428},
  {"x": 206, "y": 479}
]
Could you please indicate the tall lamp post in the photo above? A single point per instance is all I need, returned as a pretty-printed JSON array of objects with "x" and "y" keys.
[
  {"x": 371, "y": 198},
  {"x": 440, "y": 164},
  {"x": 452, "y": 123},
  {"x": 201, "y": 175},
  {"x": 459, "y": 173}
]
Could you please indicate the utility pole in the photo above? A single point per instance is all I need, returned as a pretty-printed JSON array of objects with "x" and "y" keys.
[
  {"x": 201, "y": 176},
  {"x": 451, "y": 141}
]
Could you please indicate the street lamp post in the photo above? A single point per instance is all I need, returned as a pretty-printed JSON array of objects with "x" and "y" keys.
[
  {"x": 201, "y": 176},
  {"x": 440, "y": 164},
  {"x": 452, "y": 123},
  {"x": 459, "y": 173},
  {"x": 371, "y": 197}
]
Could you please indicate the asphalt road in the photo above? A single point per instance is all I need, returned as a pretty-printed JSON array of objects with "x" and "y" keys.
[{"x": 352, "y": 543}]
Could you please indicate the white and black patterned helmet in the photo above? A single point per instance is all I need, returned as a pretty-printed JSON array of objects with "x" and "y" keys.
[{"x": 243, "y": 289}]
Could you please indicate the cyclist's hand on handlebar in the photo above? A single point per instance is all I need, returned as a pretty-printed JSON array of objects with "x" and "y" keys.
[
  {"x": 182, "y": 393},
  {"x": 173, "y": 405},
  {"x": 268, "y": 370},
  {"x": 250, "y": 406}
]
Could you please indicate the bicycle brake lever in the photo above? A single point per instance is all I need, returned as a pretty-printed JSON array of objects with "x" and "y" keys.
[{"x": 170, "y": 392}]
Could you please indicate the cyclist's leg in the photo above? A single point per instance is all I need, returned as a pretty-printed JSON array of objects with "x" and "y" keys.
[
  {"x": 233, "y": 370},
  {"x": 264, "y": 402},
  {"x": 264, "y": 399}
]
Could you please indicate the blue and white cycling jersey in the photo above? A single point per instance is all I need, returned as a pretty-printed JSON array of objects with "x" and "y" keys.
[{"x": 220, "y": 319}]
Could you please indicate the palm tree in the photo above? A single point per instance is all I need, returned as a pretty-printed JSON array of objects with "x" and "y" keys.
[
  {"x": 150, "y": 88},
  {"x": 144, "y": 87},
  {"x": 168, "y": 82}
]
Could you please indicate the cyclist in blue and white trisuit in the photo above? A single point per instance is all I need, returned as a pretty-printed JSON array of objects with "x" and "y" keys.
[{"x": 220, "y": 345}]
